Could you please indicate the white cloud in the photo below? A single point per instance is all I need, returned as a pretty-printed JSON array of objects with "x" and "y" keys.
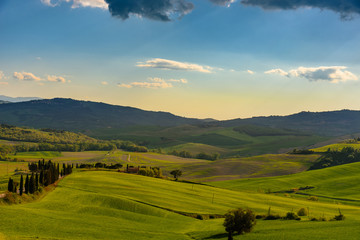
[
  {"x": 49, "y": 3},
  {"x": 182, "y": 80},
  {"x": 26, "y": 76},
  {"x": 277, "y": 71},
  {"x": 154, "y": 83},
  {"x": 53, "y": 78},
  {"x": 123, "y": 85},
  {"x": 250, "y": 72},
  {"x": 90, "y": 3},
  {"x": 78, "y": 3},
  {"x": 174, "y": 65},
  {"x": 333, "y": 74},
  {"x": 104, "y": 83}
]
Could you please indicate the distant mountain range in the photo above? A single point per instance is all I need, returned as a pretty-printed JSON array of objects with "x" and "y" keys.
[
  {"x": 75, "y": 115},
  {"x": 332, "y": 123},
  {"x": 4, "y": 99}
]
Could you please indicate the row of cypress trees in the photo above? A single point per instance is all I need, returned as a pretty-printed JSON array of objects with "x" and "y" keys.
[{"x": 43, "y": 174}]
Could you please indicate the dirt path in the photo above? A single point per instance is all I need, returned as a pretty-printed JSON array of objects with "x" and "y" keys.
[{"x": 2, "y": 195}]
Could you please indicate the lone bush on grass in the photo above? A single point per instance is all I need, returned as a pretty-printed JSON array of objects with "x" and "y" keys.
[
  {"x": 302, "y": 212},
  {"x": 313, "y": 198},
  {"x": 292, "y": 216},
  {"x": 240, "y": 221},
  {"x": 339, "y": 217}
]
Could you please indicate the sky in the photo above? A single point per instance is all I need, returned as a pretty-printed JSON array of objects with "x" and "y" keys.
[{"x": 219, "y": 59}]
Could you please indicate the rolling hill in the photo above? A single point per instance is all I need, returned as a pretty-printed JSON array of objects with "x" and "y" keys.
[
  {"x": 69, "y": 114},
  {"x": 243, "y": 137},
  {"x": 110, "y": 205}
]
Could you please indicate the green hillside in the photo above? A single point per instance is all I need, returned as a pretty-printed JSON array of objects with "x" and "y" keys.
[
  {"x": 227, "y": 141},
  {"x": 110, "y": 205},
  {"x": 340, "y": 183},
  {"x": 14, "y": 133}
]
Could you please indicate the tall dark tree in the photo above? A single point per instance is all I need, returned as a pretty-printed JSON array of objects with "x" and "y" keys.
[
  {"x": 32, "y": 184},
  {"x": 21, "y": 185},
  {"x": 11, "y": 185},
  {"x": 27, "y": 184},
  {"x": 36, "y": 182},
  {"x": 41, "y": 178}
]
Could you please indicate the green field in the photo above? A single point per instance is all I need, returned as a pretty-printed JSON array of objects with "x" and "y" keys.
[
  {"x": 340, "y": 183},
  {"x": 110, "y": 205},
  {"x": 193, "y": 169},
  {"x": 227, "y": 141}
]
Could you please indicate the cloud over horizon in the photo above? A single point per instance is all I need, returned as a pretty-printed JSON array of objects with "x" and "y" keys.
[
  {"x": 27, "y": 76},
  {"x": 333, "y": 74},
  {"x": 53, "y": 78},
  {"x": 174, "y": 65},
  {"x": 346, "y": 8},
  {"x": 154, "y": 83}
]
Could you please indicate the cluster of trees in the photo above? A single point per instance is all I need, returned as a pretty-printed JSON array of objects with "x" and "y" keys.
[
  {"x": 150, "y": 172},
  {"x": 43, "y": 173},
  {"x": 202, "y": 155},
  {"x": 337, "y": 157},
  {"x": 301, "y": 151},
  {"x": 99, "y": 165},
  {"x": 13, "y": 133},
  {"x": 5, "y": 150},
  {"x": 58, "y": 140}
]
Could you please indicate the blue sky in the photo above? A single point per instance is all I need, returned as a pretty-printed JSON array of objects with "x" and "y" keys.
[{"x": 220, "y": 59}]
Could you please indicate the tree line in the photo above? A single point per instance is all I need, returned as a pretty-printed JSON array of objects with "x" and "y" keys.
[
  {"x": 112, "y": 145},
  {"x": 337, "y": 157},
  {"x": 202, "y": 155},
  {"x": 43, "y": 173}
]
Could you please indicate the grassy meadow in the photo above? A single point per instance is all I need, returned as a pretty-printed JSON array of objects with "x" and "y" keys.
[
  {"x": 99, "y": 204},
  {"x": 111, "y": 205},
  {"x": 227, "y": 141},
  {"x": 334, "y": 184},
  {"x": 193, "y": 169}
]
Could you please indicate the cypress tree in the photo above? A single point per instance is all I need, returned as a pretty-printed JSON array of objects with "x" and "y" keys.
[
  {"x": 32, "y": 184},
  {"x": 27, "y": 184},
  {"x": 21, "y": 185},
  {"x": 36, "y": 182},
  {"x": 10, "y": 185},
  {"x": 41, "y": 179},
  {"x": 57, "y": 172}
]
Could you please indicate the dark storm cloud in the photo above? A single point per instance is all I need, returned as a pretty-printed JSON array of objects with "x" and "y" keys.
[
  {"x": 161, "y": 10},
  {"x": 346, "y": 8}
]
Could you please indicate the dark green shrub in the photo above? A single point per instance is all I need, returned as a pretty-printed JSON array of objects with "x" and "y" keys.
[
  {"x": 272, "y": 217},
  {"x": 292, "y": 216},
  {"x": 339, "y": 217},
  {"x": 313, "y": 198},
  {"x": 240, "y": 221},
  {"x": 302, "y": 212}
]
